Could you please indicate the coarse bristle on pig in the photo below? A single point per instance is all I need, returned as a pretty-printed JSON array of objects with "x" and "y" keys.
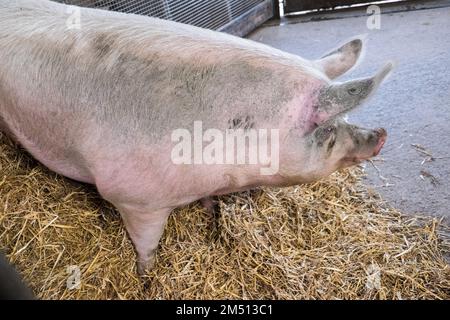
[{"x": 334, "y": 239}]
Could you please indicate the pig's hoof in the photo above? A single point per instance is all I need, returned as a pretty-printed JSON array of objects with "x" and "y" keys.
[{"x": 145, "y": 266}]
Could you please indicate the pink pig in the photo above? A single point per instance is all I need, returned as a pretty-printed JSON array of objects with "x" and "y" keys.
[{"x": 100, "y": 104}]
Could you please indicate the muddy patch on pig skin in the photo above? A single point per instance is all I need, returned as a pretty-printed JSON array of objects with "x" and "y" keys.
[
  {"x": 245, "y": 123},
  {"x": 103, "y": 44},
  {"x": 186, "y": 93}
]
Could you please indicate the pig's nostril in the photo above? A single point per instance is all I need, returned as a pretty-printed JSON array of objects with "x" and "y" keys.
[{"x": 379, "y": 145}]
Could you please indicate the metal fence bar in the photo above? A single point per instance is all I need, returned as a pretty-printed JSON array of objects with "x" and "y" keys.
[{"x": 211, "y": 14}]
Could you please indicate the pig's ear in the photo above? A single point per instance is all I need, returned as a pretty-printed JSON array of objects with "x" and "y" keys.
[
  {"x": 339, "y": 98},
  {"x": 340, "y": 60}
]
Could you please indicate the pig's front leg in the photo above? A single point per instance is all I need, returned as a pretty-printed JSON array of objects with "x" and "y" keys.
[{"x": 145, "y": 227}]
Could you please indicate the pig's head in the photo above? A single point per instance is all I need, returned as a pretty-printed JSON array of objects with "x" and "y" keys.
[
  {"x": 335, "y": 98},
  {"x": 332, "y": 146}
]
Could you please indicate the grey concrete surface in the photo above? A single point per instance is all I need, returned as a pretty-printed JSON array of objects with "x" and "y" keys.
[{"x": 413, "y": 104}]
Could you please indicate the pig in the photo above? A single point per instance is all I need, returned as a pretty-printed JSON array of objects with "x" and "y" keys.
[{"x": 99, "y": 103}]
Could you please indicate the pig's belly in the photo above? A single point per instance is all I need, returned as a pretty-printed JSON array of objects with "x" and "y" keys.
[
  {"x": 56, "y": 160},
  {"x": 63, "y": 166}
]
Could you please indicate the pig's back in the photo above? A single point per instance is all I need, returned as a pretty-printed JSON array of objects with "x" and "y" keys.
[{"x": 132, "y": 72}]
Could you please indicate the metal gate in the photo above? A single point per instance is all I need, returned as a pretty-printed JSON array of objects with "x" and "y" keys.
[
  {"x": 237, "y": 17},
  {"x": 302, "y": 5}
]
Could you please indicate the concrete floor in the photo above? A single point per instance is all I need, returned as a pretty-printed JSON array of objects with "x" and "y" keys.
[{"x": 413, "y": 104}]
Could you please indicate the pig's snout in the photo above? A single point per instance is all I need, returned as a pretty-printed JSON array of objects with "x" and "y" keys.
[{"x": 381, "y": 136}]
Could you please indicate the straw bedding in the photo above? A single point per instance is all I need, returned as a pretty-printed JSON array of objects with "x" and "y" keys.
[{"x": 334, "y": 239}]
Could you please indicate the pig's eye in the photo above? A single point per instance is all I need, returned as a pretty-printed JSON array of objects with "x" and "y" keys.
[
  {"x": 354, "y": 91},
  {"x": 330, "y": 129}
]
